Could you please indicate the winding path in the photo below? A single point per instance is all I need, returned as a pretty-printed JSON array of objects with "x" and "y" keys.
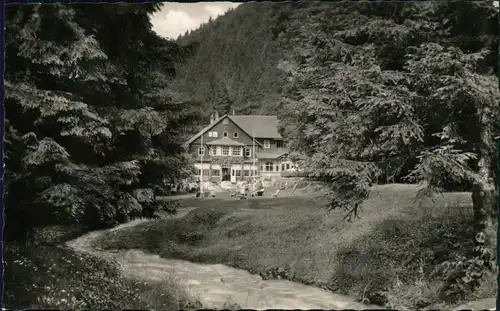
[{"x": 215, "y": 285}]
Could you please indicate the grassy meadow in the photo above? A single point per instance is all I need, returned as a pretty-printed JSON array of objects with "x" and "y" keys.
[{"x": 386, "y": 257}]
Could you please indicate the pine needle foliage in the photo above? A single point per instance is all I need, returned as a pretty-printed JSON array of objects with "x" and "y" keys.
[{"x": 92, "y": 124}]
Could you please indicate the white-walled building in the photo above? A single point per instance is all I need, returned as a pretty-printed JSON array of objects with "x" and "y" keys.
[{"x": 239, "y": 147}]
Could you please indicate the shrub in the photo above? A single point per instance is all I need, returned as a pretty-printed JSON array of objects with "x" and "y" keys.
[
  {"x": 196, "y": 225},
  {"x": 396, "y": 262},
  {"x": 54, "y": 235},
  {"x": 461, "y": 276},
  {"x": 202, "y": 217},
  {"x": 153, "y": 235},
  {"x": 291, "y": 174}
]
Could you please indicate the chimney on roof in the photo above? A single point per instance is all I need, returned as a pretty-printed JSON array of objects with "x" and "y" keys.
[
  {"x": 216, "y": 115},
  {"x": 233, "y": 112},
  {"x": 212, "y": 118}
]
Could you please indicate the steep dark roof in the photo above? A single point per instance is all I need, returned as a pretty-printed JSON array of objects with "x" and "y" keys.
[
  {"x": 261, "y": 126},
  {"x": 225, "y": 141}
]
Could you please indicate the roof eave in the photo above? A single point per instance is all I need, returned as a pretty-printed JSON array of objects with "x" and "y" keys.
[
  {"x": 271, "y": 137},
  {"x": 217, "y": 144}
]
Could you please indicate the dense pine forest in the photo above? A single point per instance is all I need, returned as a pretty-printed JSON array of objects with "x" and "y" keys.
[
  {"x": 93, "y": 134},
  {"x": 93, "y": 130}
]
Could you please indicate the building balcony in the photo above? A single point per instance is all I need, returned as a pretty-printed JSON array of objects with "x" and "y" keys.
[{"x": 225, "y": 159}]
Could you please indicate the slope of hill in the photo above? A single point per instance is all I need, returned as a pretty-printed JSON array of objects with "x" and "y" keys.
[
  {"x": 234, "y": 66},
  {"x": 242, "y": 59}
]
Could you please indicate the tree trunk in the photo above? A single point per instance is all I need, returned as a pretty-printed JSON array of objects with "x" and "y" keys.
[
  {"x": 484, "y": 197},
  {"x": 484, "y": 203}
]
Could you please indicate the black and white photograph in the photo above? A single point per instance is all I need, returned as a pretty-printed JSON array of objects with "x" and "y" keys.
[{"x": 259, "y": 155}]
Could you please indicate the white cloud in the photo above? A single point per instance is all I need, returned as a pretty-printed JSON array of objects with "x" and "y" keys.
[
  {"x": 174, "y": 23},
  {"x": 175, "y": 19},
  {"x": 215, "y": 10}
]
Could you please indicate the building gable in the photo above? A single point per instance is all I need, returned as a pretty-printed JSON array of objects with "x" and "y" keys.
[{"x": 221, "y": 127}]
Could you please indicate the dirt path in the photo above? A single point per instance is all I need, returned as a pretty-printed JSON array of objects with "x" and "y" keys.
[{"x": 215, "y": 285}]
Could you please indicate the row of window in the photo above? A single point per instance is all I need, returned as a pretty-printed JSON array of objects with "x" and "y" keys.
[
  {"x": 224, "y": 134},
  {"x": 217, "y": 172},
  {"x": 267, "y": 143},
  {"x": 246, "y": 173},
  {"x": 225, "y": 151},
  {"x": 267, "y": 167},
  {"x": 271, "y": 167}
]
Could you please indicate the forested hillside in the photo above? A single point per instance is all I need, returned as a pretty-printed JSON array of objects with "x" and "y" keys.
[
  {"x": 406, "y": 76},
  {"x": 369, "y": 92},
  {"x": 93, "y": 130},
  {"x": 235, "y": 64},
  {"x": 241, "y": 58}
]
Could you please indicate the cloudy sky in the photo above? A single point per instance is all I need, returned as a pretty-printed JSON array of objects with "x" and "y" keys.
[{"x": 175, "y": 18}]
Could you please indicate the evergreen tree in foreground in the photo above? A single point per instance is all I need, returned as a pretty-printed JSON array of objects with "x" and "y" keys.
[
  {"x": 92, "y": 129},
  {"x": 398, "y": 93}
]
